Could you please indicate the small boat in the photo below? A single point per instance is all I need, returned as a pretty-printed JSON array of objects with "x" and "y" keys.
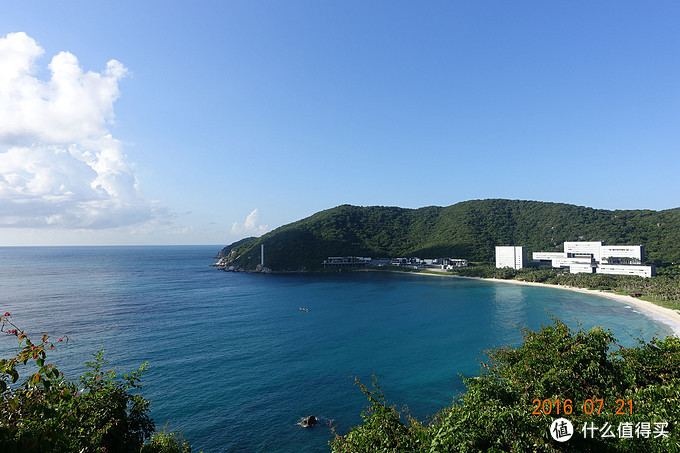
[{"x": 304, "y": 309}]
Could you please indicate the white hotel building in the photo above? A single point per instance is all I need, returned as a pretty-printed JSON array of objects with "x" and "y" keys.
[
  {"x": 510, "y": 256},
  {"x": 595, "y": 257}
]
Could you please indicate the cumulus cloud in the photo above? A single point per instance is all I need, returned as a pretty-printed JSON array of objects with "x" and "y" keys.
[
  {"x": 59, "y": 165},
  {"x": 251, "y": 226}
]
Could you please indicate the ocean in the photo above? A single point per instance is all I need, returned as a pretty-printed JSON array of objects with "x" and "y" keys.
[{"x": 235, "y": 364}]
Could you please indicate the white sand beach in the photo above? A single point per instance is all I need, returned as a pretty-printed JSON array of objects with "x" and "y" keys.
[{"x": 660, "y": 314}]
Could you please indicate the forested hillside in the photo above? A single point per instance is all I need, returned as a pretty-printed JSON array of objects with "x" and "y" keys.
[{"x": 469, "y": 230}]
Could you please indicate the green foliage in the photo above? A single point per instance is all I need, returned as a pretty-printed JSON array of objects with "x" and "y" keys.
[
  {"x": 467, "y": 230},
  {"x": 497, "y": 412},
  {"x": 383, "y": 429},
  {"x": 166, "y": 442},
  {"x": 106, "y": 407},
  {"x": 658, "y": 289},
  {"x": 47, "y": 413},
  {"x": 227, "y": 250}
]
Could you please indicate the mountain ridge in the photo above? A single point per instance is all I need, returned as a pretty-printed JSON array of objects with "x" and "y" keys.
[{"x": 469, "y": 229}]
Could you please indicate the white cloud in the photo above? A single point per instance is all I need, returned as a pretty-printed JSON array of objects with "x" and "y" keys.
[
  {"x": 59, "y": 165},
  {"x": 251, "y": 227}
]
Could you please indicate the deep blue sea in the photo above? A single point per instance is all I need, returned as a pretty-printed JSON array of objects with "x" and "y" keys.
[{"x": 236, "y": 365}]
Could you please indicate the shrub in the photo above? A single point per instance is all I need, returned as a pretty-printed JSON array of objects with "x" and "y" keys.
[
  {"x": 503, "y": 409},
  {"x": 100, "y": 412},
  {"x": 166, "y": 442}
]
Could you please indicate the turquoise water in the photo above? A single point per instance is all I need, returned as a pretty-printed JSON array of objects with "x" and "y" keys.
[{"x": 235, "y": 364}]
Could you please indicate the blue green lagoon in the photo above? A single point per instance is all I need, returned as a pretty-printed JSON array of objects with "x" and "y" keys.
[{"x": 235, "y": 364}]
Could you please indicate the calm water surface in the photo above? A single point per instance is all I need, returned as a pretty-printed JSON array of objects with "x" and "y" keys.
[{"x": 235, "y": 364}]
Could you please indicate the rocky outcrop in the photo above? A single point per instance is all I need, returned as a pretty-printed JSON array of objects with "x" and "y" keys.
[
  {"x": 224, "y": 261},
  {"x": 308, "y": 421},
  {"x": 262, "y": 269},
  {"x": 227, "y": 264}
]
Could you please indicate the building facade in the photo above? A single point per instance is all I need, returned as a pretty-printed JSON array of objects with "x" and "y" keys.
[
  {"x": 626, "y": 269},
  {"x": 595, "y": 257},
  {"x": 622, "y": 254},
  {"x": 511, "y": 256},
  {"x": 583, "y": 249}
]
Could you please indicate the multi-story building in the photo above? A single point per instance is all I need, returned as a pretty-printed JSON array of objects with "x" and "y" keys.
[
  {"x": 511, "y": 256},
  {"x": 595, "y": 257}
]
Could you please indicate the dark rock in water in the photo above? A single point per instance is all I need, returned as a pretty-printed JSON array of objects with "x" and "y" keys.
[{"x": 308, "y": 421}]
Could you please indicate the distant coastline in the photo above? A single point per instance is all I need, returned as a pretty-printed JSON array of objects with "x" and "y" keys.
[
  {"x": 467, "y": 230},
  {"x": 667, "y": 316}
]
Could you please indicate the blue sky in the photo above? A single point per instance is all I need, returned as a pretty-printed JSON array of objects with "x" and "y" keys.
[{"x": 201, "y": 123}]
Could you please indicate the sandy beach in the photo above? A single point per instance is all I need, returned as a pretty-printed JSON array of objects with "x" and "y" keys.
[{"x": 660, "y": 314}]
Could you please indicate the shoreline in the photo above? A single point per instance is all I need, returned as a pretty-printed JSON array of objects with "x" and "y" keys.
[{"x": 663, "y": 315}]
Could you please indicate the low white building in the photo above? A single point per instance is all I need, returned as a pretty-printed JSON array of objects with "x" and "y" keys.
[
  {"x": 626, "y": 269},
  {"x": 547, "y": 257},
  {"x": 454, "y": 263},
  {"x": 582, "y": 268},
  {"x": 511, "y": 256},
  {"x": 344, "y": 261},
  {"x": 568, "y": 262}
]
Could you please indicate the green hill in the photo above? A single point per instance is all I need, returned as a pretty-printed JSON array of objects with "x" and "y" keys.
[{"x": 469, "y": 230}]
